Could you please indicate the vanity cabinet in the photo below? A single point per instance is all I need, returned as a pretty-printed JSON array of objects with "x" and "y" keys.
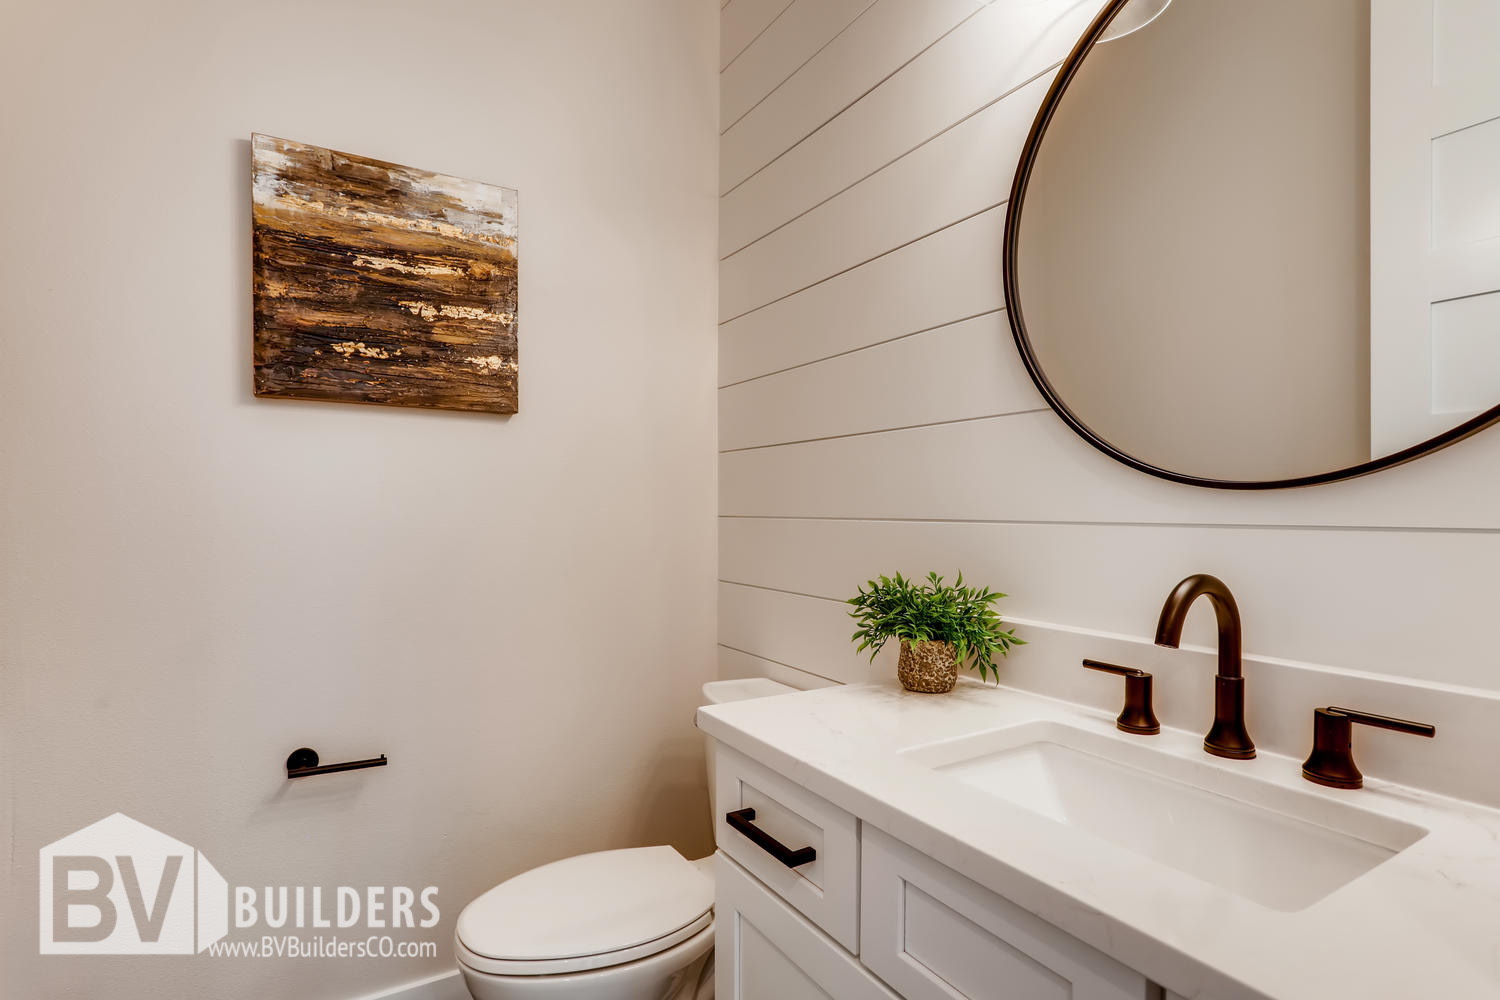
[
  {"x": 935, "y": 935},
  {"x": 824, "y": 890},
  {"x": 765, "y": 950},
  {"x": 871, "y": 918}
]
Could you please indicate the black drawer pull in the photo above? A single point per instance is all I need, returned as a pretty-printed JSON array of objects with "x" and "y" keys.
[{"x": 742, "y": 820}]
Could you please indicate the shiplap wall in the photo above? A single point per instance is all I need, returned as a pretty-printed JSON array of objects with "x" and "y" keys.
[{"x": 873, "y": 414}]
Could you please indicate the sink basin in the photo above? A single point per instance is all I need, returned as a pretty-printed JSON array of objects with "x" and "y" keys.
[{"x": 1282, "y": 848}]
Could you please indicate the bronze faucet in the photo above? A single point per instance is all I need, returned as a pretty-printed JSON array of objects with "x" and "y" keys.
[{"x": 1228, "y": 736}]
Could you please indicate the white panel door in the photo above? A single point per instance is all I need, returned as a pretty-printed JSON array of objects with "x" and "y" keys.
[
  {"x": 764, "y": 950},
  {"x": 1434, "y": 216},
  {"x": 934, "y": 935}
]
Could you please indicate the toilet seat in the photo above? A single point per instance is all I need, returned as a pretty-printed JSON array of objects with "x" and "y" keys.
[
  {"x": 583, "y": 963},
  {"x": 587, "y": 912}
]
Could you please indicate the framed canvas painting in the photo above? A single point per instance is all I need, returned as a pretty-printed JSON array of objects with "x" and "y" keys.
[{"x": 378, "y": 283}]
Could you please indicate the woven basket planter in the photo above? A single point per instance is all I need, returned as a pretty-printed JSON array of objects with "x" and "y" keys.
[{"x": 929, "y": 666}]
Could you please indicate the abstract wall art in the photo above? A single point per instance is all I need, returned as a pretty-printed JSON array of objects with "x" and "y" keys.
[{"x": 378, "y": 283}]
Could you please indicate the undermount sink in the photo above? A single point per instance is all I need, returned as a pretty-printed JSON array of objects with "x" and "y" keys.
[{"x": 1282, "y": 848}]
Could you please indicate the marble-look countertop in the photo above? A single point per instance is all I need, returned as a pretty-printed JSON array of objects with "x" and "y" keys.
[{"x": 1424, "y": 923}]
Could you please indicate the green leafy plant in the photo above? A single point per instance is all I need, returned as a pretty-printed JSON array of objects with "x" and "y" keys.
[{"x": 897, "y": 608}]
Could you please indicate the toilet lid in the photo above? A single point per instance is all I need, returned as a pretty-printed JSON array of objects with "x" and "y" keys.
[{"x": 587, "y": 905}]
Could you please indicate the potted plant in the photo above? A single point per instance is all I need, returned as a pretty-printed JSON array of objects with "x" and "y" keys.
[{"x": 939, "y": 627}]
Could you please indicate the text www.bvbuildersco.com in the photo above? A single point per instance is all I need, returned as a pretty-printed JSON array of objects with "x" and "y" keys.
[{"x": 291, "y": 946}]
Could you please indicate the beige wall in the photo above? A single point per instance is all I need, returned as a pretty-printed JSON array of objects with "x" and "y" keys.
[
  {"x": 874, "y": 417},
  {"x": 194, "y": 582},
  {"x": 1195, "y": 250}
]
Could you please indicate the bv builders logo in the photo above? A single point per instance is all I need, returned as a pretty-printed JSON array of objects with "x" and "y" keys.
[{"x": 118, "y": 887}]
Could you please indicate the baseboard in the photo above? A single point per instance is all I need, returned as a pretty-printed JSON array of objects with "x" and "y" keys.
[{"x": 443, "y": 986}]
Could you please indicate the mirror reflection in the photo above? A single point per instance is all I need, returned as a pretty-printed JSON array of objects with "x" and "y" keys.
[{"x": 1261, "y": 241}]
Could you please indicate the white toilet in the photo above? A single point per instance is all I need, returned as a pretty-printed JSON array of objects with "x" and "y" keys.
[{"x": 634, "y": 924}]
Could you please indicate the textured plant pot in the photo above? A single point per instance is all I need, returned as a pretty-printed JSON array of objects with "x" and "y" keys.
[{"x": 928, "y": 666}]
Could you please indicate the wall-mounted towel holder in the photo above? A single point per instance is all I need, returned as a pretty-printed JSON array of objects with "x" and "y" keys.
[{"x": 303, "y": 763}]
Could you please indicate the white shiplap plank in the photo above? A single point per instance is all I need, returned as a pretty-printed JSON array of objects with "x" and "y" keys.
[
  {"x": 795, "y": 631},
  {"x": 964, "y": 171},
  {"x": 1280, "y": 696},
  {"x": 987, "y": 56},
  {"x": 743, "y": 21},
  {"x": 791, "y": 40},
  {"x": 952, "y": 274},
  {"x": 1019, "y": 500},
  {"x": 1032, "y": 467},
  {"x": 734, "y": 664},
  {"x": 1415, "y": 595},
  {"x": 883, "y": 39},
  {"x": 971, "y": 364}
]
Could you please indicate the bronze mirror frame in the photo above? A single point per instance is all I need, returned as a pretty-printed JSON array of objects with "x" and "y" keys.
[{"x": 1055, "y": 93}]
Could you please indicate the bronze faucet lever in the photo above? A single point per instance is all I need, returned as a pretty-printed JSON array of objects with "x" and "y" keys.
[
  {"x": 1137, "y": 716},
  {"x": 1228, "y": 737},
  {"x": 1331, "y": 762}
]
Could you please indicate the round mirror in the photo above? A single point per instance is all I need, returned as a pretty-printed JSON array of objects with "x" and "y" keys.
[{"x": 1254, "y": 245}]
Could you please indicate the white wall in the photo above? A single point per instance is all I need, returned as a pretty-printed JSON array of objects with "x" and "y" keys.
[
  {"x": 874, "y": 417},
  {"x": 194, "y": 582}
]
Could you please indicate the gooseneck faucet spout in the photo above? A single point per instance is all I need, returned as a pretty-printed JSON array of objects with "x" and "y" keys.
[{"x": 1228, "y": 737}]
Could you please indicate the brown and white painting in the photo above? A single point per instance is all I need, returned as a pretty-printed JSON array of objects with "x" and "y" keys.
[{"x": 377, "y": 283}]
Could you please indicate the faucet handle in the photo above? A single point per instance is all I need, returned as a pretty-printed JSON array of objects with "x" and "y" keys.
[
  {"x": 1137, "y": 716},
  {"x": 1331, "y": 762}
]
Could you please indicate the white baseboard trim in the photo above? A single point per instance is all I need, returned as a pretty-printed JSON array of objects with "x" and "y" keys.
[{"x": 443, "y": 986}]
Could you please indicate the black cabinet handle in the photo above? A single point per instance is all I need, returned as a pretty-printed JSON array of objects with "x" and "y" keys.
[{"x": 742, "y": 820}]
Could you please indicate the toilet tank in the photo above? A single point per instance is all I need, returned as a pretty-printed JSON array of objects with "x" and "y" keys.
[{"x": 719, "y": 692}]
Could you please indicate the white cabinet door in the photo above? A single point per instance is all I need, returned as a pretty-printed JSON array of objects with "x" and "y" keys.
[
  {"x": 764, "y": 950},
  {"x": 825, "y": 888},
  {"x": 934, "y": 935}
]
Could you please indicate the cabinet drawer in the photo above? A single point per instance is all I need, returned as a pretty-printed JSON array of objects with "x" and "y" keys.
[
  {"x": 764, "y": 951},
  {"x": 934, "y": 935},
  {"x": 826, "y": 888}
]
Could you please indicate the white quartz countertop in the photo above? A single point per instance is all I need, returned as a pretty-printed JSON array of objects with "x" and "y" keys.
[{"x": 1424, "y": 923}]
